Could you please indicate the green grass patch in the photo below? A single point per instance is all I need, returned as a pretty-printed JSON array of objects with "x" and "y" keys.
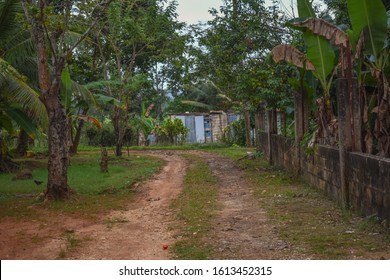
[
  {"x": 196, "y": 146},
  {"x": 195, "y": 207},
  {"x": 113, "y": 221},
  {"x": 96, "y": 192},
  {"x": 235, "y": 153},
  {"x": 71, "y": 244}
]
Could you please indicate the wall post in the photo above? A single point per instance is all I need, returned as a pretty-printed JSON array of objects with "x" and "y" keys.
[{"x": 345, "y": 140}]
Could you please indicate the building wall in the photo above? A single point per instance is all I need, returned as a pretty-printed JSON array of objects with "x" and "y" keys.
[
  {"x": 219, "y": 122},
  {"x": 206, "y": 127}
]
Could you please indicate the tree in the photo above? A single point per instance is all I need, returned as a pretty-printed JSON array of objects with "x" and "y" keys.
[
  {"x": 237, "y": 43},
  {"x": 50, "y": 24},
  {"x": 136, "y": 35},
  {"x": 173, "y": 131},
  {"x": 20, "y": 106}
]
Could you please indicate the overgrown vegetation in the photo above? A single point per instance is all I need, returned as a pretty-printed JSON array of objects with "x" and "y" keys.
[{"x": 195, "y": 207}]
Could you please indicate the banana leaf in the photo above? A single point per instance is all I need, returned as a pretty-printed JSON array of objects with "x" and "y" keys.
[{"x": 370, "y": 17}]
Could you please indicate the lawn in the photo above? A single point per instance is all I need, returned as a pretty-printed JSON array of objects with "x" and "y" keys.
[{"x": 95, "y": 192}]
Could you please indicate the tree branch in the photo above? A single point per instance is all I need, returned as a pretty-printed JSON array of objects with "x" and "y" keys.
[{"x": 104, "y": 4}]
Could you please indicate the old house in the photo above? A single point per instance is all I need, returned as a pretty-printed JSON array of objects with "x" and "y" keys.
[{"x": 206, "y": 127}]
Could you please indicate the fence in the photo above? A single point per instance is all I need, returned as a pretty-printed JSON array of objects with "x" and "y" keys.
[{"x": 354, "y": 179}]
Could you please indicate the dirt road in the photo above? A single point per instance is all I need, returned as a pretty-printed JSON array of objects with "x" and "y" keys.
[
  {"x": 138, "y": 233},
  {"x": 241, "y": 229}
]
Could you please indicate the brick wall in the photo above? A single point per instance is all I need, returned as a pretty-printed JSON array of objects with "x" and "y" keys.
[
  {"x": 369, "y": 184},
  {"x": 368, "y": 176}
]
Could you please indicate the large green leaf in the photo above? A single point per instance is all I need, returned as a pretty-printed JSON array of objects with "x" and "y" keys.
[
  {"x": 108, "y": 100},
  {"x": 305, "y": 9},
  {"x": 6, "y": 123},
  {"x": 369, "y": 16},
  {"x": 66, "y": 87},
  {"x": 319, "y": 51},
  {"x": 8, "y": 24},
  {"x": 321, "y": 54},
  {"x": 21, "y": 119},
  {"x": 16, "y": 90},
  {"x": 196, "y": 104}
]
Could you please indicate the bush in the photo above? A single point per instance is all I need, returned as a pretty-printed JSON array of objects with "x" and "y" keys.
[
  {"x": 172, "y": 131},
  {"x": 106, "y": 136},
  {"x": 100, "y": 137},
  {"x": 234, "y": 134}
]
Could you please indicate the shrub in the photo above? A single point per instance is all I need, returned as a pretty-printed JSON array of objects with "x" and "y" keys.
[{"x": 172, "y": 131}]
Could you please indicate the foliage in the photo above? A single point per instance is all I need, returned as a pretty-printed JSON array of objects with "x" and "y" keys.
[
  {"x": 202, "y": 96},
  {"x": 237, "y": 42},
  {"x": 234, "y": 134},
  {"x": 340, "y": 11},
  {"x": 319, "y": 50},
  {"x": 135, "y": 39},
  {"x": 172, "y": 131},
  {"x": 106, "y": 136},
  {"x": 195, "y": 207}
]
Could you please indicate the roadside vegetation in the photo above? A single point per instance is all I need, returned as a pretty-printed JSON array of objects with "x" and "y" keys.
[
  {"x": 94, "y": 192},
  {"x": 195, "y": 208},
  {"x": 308, "y": 220},
  {"x": 304, "y": 217}
]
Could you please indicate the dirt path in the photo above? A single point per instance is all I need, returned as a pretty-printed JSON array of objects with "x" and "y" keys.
[
  {"x": 241, "y": 228},
  {"x": 138, "y": 233}
]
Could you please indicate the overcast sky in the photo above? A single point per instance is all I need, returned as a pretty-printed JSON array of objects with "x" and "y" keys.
[{"x": 193, "y": 11}]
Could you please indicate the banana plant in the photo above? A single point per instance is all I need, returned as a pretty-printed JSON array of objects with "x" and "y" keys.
[
  {"x": 319, "y": 51},
  {"x": 369, "y": 21},
  {"x": 368, "y": 39},
  {"x": 340, "y": 39},
  {"x": 320, "y": 60},
  {"x": 144, "y": 124}
]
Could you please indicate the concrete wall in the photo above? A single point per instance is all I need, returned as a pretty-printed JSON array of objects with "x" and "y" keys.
[
  {"x": 219, "y": 122},
  {"x": 368, "y": 176}
]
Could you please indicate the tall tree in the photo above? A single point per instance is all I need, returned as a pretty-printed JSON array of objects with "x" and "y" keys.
[
  {"x": 19, "y": 102},
  {"x": 136, "y": 36},
  {"x": 50, "y": 24},
  {"x": 237, "y": 43}
]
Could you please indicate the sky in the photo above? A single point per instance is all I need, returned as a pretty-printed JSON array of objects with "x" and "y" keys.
[{"x": 193, "y": 11}]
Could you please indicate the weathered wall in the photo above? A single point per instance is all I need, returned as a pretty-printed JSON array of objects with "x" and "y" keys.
[
  {"x": 368, "y": 176},
  {"x": 219, "y": 122},
  {"x": 369, "y": 183}
]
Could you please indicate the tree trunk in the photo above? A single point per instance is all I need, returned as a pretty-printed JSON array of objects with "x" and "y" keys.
[
  {"x": 76, "y": 140},
  {"x": 22, "y": 145},
  {"x": 120, "y": 119},
  {"x": 57, "y": 183},
  {"x": 247, "y": 120},
  {"x": 299, "y": 127},
  {"x": 57, "y": 186},
  {"x": 6, "y": 164},
  {"x": 103, "y": 160}
]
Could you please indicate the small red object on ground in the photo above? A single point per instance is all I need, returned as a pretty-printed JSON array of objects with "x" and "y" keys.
[{"x": 165, "y": 246}]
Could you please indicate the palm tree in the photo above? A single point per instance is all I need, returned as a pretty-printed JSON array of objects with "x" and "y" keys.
[{"x": 20, "y": 105}]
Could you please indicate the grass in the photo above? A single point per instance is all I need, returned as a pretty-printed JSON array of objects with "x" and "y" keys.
[
  {"x": 113, "y": 221},
  {"x": 96, "y": 192},
  {"x": 196, "y": 146},
  {"x": 71, "y": 243},
  {"x": 308, "y": 220},
  {"x": 195, "y": 207}
]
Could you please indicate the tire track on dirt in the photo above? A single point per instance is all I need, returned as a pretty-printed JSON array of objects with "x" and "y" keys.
[
  {"x": 241, "y": 230},
  {"x": 145, "y": 226}
]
